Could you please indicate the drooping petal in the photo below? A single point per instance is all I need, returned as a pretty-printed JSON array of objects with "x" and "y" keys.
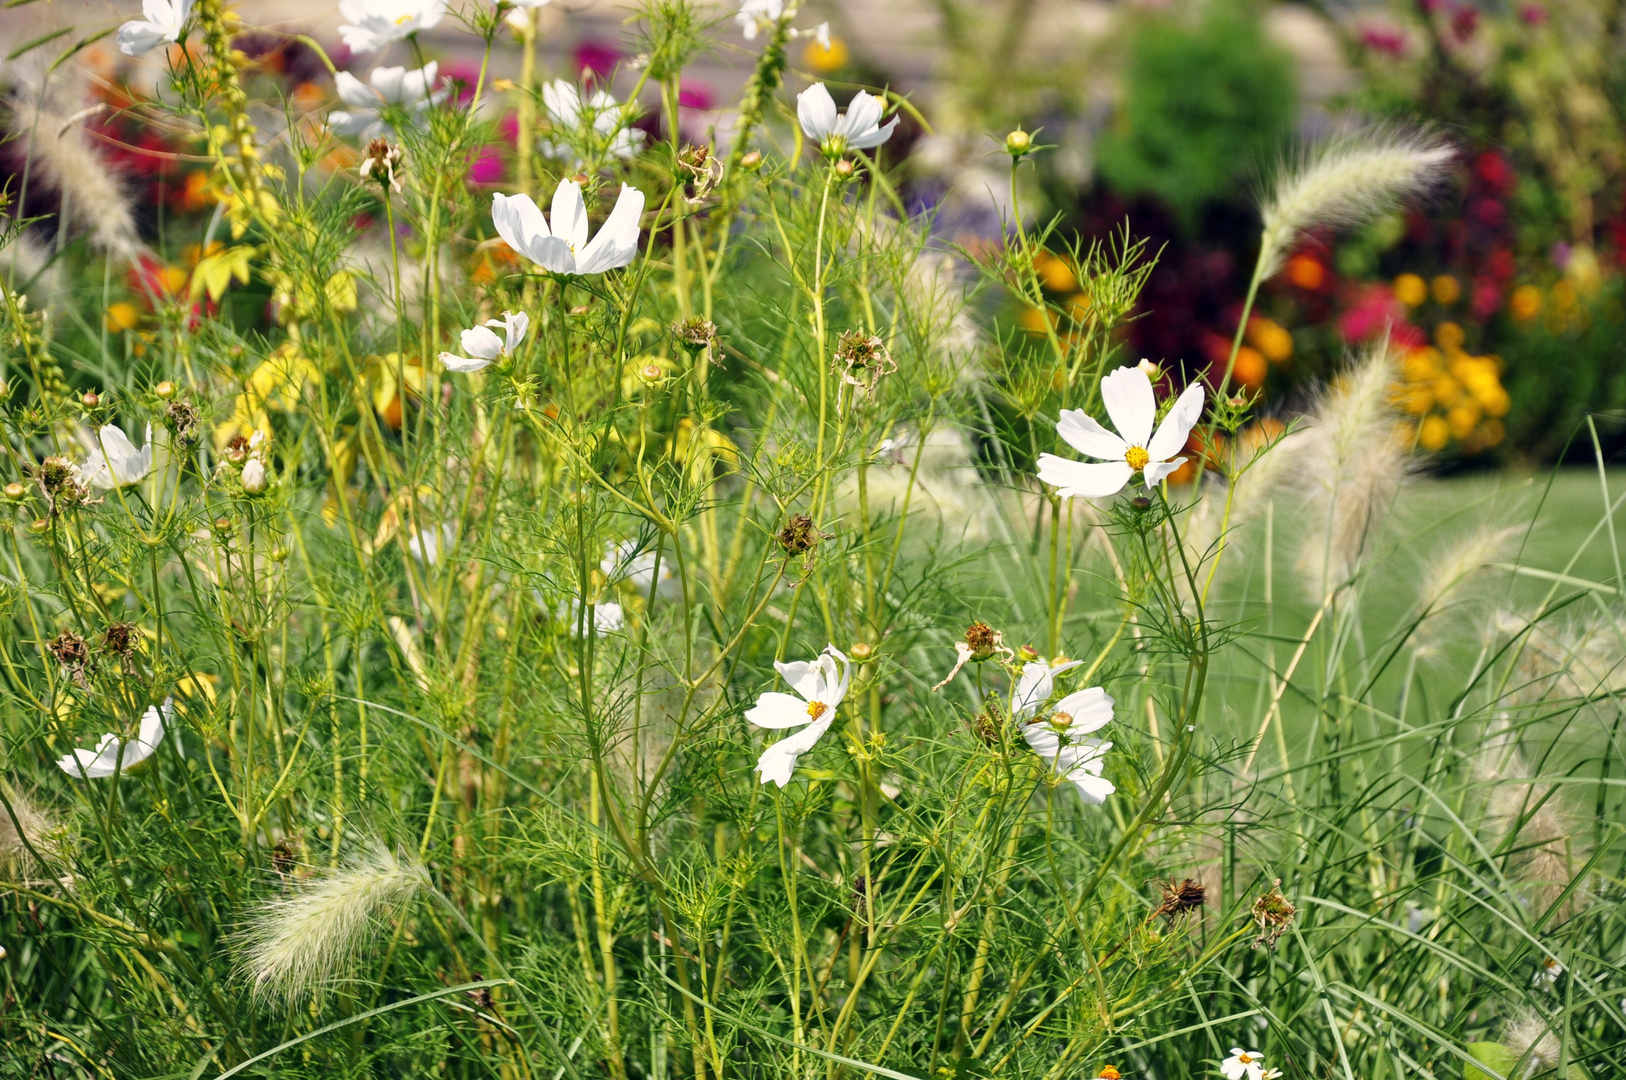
[
  {"x": 778, "y": 762},
  {"x": 1090, "y": 480},
  {"x": 1176, "y": 427},
  {"x": 569, "y": 217},
  {"x": 816, "y": 110},
  {"x": 1127, "y": 394},
  {"x": 93, "y": 764},
  {"x": 1088, "y": 437},
  {"x": 1091, "y": 710},
  {"x": 466, "y": 365},
  {"x": 874, "y": 137},
  {"x": 801, "y": 675},
  {"x": 139, "y": 37},
  {"x": 514, "y": 324},
  {"x": 776, "y": 710},
  {"x": 1092, "y": 789},
  {"x": 482, "y": 343},
  {"x": 1156, "y": 471}
]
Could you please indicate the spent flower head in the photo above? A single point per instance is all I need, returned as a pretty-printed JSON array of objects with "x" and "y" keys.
[
  {"x": 382, "y": 163},
  {"x": 1274, "y": 914}
]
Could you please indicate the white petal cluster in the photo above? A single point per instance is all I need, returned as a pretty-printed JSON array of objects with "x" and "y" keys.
[
  {"x": 595, "y": 124},
  {"x": 820, "y": 685},
  {"x": 255, "y": 476},
  {"x": 1247, "y": 1063},
  {"x": 1056, "y": 735},
  {"x": 372, "y": 24},
  {"x": 114, "y": 460},
  {"x": 411, "y": 91},
  {"x": 1130, "y": 403},
  {"x": 429, "y": 543},
  {"x": 564, "y": 248},
  {"x": 113, "y": 754},
  {"x": 165, "y": 20},
  {"x": 484, "y": 347},
  {"x": 624, "y": 562},
  {"x": 859, "y": 128},
  {"x": 756, "y": 16}
]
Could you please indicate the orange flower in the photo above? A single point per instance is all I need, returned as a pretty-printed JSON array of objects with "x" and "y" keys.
[
  {"x": 1525, "y": 303},
  {"x": 1054, "y": 273},
  {"x": 1271, "y": 338},
  {"x": 1250, "y": 367},
  {"x": 1306, "y": 272}
]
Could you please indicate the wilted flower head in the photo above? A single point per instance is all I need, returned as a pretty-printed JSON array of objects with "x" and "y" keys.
[
  {"x": 564, "y": 248},
  {"x": 863, "y": 359},
  {"x": 410, "y": 91},
  {"x": 698, "y": 167},
  {"x": 859, "y": 128},
  {"x": 165, "y": 21},
  {"x": 979, "y": 643},
  {"x": 113, "y": 754},
  {"x": 1179, "y": 899},
  {"x": 114, "y": 461},
  {"x": 799, "y": 535},
  {"x": 695, "y": 333},
  {"x": 181, "y": 418},
  {"x": 1127, "y": 394},
  {"x": 62, "y": 483},
  {"x": 1274, "y": 914},
  {"x": 72, "y": 653},
  {"x": 485, "y": 347},
  {"x": 382, "y": 162},
  {"x": 820, "y": 685},
  {"x": 1348, "y": 181},
  {"x": 372, "y": 24},
  {"x": 297, "y": 943}
]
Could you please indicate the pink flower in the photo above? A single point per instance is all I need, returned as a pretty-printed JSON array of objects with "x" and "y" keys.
[
  {"x": 1487, "y": 298},
  {"x": 1384, "y": 39},
  {"x": 485, "y": 166}
]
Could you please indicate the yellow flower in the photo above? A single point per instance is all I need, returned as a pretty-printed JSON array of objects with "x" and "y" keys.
[
  {"x": 1446, "y": 289},
  {"x": 1271, "y": 338},
  {"x": 1525, "y": 303},
  {"x": 1411, "y": 290},
  {"x": 1463, "y": 418},
  {"x": 121, "y": 316},
  {"x": 1449, "y": 336},
  {"x": 1433, "y": 434},
  {"x": 825, "y": 60},
  {"x": 1054, "y": 273}
]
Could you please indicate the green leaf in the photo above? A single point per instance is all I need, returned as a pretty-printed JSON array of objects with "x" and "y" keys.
[{"x": 1495, "y": 1057}]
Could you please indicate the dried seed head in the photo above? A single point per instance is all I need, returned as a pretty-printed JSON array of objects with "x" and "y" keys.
[
  {"x": 1273, "y": 913},
  {"x": 863, "y": 359},
  {"x": 72, "y": 652},
  {"x": 121, "y": 639},
  {"x": 985, "y": 726},
  {"x": 799, "y": 535},
  {"x": 695, "y": 333},
  {"x": 983, "y": 640},
  {"x": 700, "y": 169},
  {"x": 181, "y": 418}
]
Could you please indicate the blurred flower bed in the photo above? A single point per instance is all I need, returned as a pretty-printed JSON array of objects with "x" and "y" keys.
[{"x": 1505, "y": 291}]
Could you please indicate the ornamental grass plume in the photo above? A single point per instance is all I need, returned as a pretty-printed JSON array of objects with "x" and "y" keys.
[
  {"x": 1526, "y": 821},
  {"x": 1350, "y": 468},
  {"x": 299, "y": 942},
  {"x": 1448, "y": 579},
  {"x": 1346, "y": 182},
  {"x": 23, "y": 826}
]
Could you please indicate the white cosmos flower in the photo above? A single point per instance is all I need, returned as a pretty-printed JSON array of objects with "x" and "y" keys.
[
  {"x": 372, "y": 24},
  {"x": 565, "y": 249},
  {"x": 755, "y": 16},
  {"x": 1242, "y": 1063},
  {"x": 430, "y": 543},
  {"x": 408, "y": 90},
  {"x": 599, "y": 119},
  {"x": 106, "y": 760},
  {"x": 485, "y": 347},
  {"x": 623, "y": 561},
  {"x": 164, "y": 22},
  {"x": 527, "y": 3},
  {"x": 1127, "y": 394},
  {"x": 1056, "y": 736},
  {"x": 820, "y": 684},
  {"x": 859, "y": 128},
  {"x": 114, "y": 460}
]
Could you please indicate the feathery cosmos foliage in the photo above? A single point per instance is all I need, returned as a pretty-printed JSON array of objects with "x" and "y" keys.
[{"x": 596, "y": 605}]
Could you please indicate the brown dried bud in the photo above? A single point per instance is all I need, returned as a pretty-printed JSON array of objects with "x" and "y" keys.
[
  {"x": 1179, "y": 899},
  {"x": 1274, "y": 914},
  {"x": 120, "y": 639},
  {"x": 182, "y": 418},
  {"x": 1141, "y": 503},
  {"x": 799, "y": 535},
  {"x": 699, "y": 168}
]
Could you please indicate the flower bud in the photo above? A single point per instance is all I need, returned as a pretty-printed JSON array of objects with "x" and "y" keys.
[
  {"x": 165, "y": 390},
  {"x": 752, "y": 161},
  {"x": 651, "y": 372},
  {"x": 90, "y": 399},
  {"x": 254, "y": 476},
  {"x": 1152, "y": 371},
  {"x": 279, "y": 554},
  {"x": 844, "y": 168},
  {"x": 15, "y": 490},
  {"x": 861, "y": 651},
  {"x": 38, "y": 525},
  {"x": 1141, "y": 502},
  {"x": 223, "y": 524},
  {"x": 1018, "y": 143},
  {"x": 1027, "y": 654}
]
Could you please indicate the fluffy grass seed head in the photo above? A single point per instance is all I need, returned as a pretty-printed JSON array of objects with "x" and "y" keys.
[
  {"x": 298, "y": 942},
  {"x": 1350, "y": 465},
  {"x": 1346, "y": 182}
]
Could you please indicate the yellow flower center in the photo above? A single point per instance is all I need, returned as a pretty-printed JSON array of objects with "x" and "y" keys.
[
  {"x": 1246, "y": 1059},
  {"x": 816, "y": 709},
  {"x": 403, "y": 20},
  {"x": 1137, "y": 457}
]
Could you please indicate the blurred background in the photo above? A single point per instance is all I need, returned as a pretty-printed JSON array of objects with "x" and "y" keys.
[{"x": 1166, "y": 115}]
